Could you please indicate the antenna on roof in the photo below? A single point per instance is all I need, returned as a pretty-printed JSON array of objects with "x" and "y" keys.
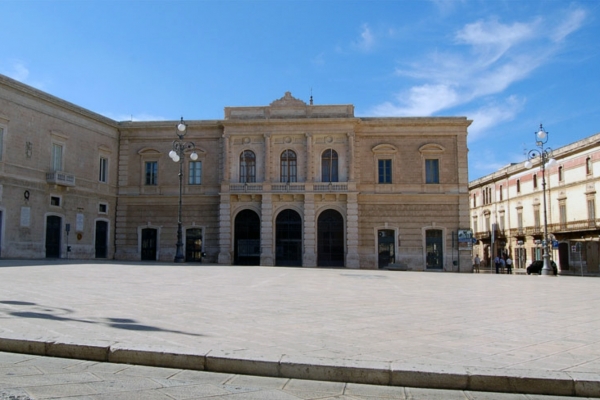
[{"x": 311, "y": 98}]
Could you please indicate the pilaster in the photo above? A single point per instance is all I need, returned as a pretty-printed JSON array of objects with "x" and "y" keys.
[
  {"x": 352, "y": 260},
  {"x": 225, "y": 230},
  {"x": 309, "y": 258},
  {"x": 266, "y": 231}
]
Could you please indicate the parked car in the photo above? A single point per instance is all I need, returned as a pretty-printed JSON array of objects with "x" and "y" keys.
[{"x": 536, "y": 267}]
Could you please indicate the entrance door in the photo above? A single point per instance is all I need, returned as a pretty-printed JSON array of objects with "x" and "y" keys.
[
  {"x": 53, "y": 227},
  {"x": 591, "y": 253},
  {"x": 385, "y": 247},
  {"x": 101, "y": 239},
  {"x": 434, "y": 249},
  {"x": 246, "y": 246},
  {"x": 193, "y": 245},
  {"x": 330, "y": 239},
  {"x": 149, "y": 236},
  {"x": 563, "y": 256},
  {"x": 288, "y": 238}
]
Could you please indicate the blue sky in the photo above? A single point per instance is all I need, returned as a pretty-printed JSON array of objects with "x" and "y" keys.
[{"x": 507, "y": 65}]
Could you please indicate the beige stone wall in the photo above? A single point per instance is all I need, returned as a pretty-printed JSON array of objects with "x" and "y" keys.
[
  {"x": 408, "y": 206},
  {"x": 32, "y": 122}
]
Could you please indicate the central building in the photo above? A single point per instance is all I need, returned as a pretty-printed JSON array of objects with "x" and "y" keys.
[{"x": 297, "y": 184}]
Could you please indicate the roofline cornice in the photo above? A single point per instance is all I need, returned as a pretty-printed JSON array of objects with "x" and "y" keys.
[{"x": 56, "y": 101}]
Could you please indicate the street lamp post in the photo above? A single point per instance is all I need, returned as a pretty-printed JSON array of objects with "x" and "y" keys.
[
  {"x": 546, "y": 160},
  {"x": 178, "y": 156}
]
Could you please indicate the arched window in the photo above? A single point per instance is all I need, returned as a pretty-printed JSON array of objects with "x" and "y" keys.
[
  {"x": 329, "y": 166},
  {"x": 288, "y": 166},
  {"x": 560, "y": 174},
  {"x": 588, "y": 165},
  {"x": 247, "y": 167},
  {"x": 535, "y": 181}
]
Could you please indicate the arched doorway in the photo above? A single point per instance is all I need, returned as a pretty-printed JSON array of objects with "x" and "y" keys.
[
  {"x": 246, "y": 246},
  {"x": 53, "y": 230},
  {"x": 386, "y": 247},
  {"x": 434, "y": 249},
  {"x": 149, "y": 242},
  {"x": 288, "y": 238},
  {"x": 193, "y": 245},
  {"x": 330, "y": 239}
]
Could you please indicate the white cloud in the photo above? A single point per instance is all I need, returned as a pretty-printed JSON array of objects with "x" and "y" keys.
[
  {"x": 491, "y": 115},
  {"x": 367, "y": 39},
  {"x": 17, "y": 71},
  {"x": 497, "y": 55},
  {"x": 420, "y": 100},
  {"x": 568, "y": 25}
]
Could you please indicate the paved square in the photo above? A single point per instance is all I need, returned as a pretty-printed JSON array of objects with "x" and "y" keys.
[{"x": 517, "y": 324}]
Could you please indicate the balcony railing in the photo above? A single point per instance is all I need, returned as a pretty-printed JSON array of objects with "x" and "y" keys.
[
  {"x": 246, "y": 187},
  {"x": 574, "y": 226},
  {"x": 294, "y": 187},
  {"x": 60, "y": 178},
  {"x": 288, "y": 187},
  {"x": 483, "y": 235}
]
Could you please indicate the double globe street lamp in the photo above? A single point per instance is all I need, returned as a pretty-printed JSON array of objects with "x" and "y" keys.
[
  {"x": 544, "y": 155},
  {"x": 178, "y": 155}
]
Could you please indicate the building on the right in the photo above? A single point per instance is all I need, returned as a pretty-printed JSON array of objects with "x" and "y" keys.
[{"x": 509, "y": 213}]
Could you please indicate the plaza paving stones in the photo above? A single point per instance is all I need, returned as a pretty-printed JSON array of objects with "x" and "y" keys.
[{"x": 275, "y": 332}]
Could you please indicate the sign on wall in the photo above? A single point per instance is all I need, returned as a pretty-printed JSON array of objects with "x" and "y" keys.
[{"x": 465, "y": 239}]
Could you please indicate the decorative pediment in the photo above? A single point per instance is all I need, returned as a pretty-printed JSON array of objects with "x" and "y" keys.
[
  {"x": 288, "y": 101},
  {"x": 384, "y": 149},
  {"x": 149, "y": 151},
  {"x": 431, "y": 148}
]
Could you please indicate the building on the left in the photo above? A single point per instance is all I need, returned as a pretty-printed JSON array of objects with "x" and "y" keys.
[{"x": 58, "y": 177}]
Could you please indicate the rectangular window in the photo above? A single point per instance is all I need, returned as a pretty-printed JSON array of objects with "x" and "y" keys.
[
  {"x": 195, "y": 177},
  {"x": 432, "y": 171},
  {"x": 55, "y": 201},
  {"x": 103, "y": 169},
  {"x": 57, "y": 157},
  {"x": 520, "y": 221},
  {"x": 102, "y": 208},
  {"x": 151, "y": 173},
  {"x": 591, "y": 203},
  {"x": 536, "y": 218},
  {"x": 562, "y": 212},
  {"x": 385, "y": 171}
]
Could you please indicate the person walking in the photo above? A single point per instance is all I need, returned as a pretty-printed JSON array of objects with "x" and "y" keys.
[
  {"x": 476, "y": 263},
  {"x": 509, "y": 264},
  {"x": 497, "y": 262},
  {"x": 502, "y": 265}
]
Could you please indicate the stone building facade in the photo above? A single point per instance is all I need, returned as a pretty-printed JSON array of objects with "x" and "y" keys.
[
  {"x": 507, "y": 210},
  {"x": 290, "y": 183},
  {"x": 58, "y": 170}
]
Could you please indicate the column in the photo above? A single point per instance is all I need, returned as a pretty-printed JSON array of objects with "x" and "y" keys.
[
  {"x": 266, "y": 231},
  {"x": 351, "y": 156},
  {"x": 309, "y": 258},
  {"x": 352, "y": 260},
  {"x": 225, "y": 240}
]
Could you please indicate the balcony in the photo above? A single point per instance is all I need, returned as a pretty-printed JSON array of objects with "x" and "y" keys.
[
  {"x": 60, "y": 178},
  {"x": 290, "y": 187},
  {"x": 487, "y": 235},
  {"x": 574, "y": 226}
]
